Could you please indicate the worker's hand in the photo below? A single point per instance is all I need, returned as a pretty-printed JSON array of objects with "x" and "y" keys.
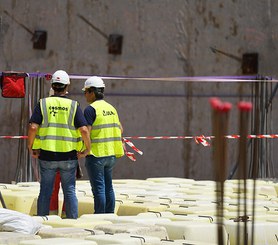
[
  {"x": 35, "y": 153},
  {"x": 81, "y": 154}
]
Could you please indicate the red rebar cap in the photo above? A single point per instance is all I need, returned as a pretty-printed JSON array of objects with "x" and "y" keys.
[
  {"x": 244, "y": 106},
  {"x": 226, "y": 106},
  {"x": 218, "y": 105},
  {"x": 215, "y": 103}
]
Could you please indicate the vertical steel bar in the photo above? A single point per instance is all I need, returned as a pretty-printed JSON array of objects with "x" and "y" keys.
[
  {"x": 220, "y": 118},
  {"x": 244, "y": 108}
]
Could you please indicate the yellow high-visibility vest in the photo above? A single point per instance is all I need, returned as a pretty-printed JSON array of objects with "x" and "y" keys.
[
  {"x": 106, "y": 135},
  {"x": 57, "y": 132}
]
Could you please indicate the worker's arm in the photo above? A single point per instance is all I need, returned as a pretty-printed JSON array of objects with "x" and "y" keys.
[
  {"x": 85, "y": 133},
  {"x": 32, "y": 131},
  {"x": 89, "y": 127}
]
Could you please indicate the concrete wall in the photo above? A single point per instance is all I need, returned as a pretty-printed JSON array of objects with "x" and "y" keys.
[{"x": 161, "y": 38}]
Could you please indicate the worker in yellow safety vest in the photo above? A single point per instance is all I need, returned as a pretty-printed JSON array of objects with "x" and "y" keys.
[
  {"x": 106, "y": 144},
  {"x": 56, "y": 129}
]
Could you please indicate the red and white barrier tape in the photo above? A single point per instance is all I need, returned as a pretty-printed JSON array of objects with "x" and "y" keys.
[
  {"x": 13, "y": 137},
  {"x": 202, "y": 137},
  {"x": 131, "y": 155},
  {"x": 202, "y": 140},
  {"x": 198, "y": 139}
]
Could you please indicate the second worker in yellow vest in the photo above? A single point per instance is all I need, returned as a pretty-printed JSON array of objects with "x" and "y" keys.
[{"x": 106, "y": 144}]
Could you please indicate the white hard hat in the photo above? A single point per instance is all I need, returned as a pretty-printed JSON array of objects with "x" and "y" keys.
[
  {"x": 60, "y": 76},
  {"x": 94, "y": 81}
]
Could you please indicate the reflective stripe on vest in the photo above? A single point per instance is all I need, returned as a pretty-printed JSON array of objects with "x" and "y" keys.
[
  {"x": 57, "y": 132},
  {"x": 106, "y": 136}
]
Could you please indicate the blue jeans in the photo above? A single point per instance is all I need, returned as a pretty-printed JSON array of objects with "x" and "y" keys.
[
  {"x": 99, "y": 171},
  {"x": 47, "y": 174}
]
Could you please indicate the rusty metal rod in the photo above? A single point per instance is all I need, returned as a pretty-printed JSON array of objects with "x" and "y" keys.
[
  {"x": 245, "y": 109},
  {"x": 220, "y": 118}
]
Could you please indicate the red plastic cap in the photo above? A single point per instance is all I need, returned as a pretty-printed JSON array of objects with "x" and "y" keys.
[
  {"x": 48, "y": 77},
  {"x": 226, "y": 107},
  {"x": 215, "y": 103},
  {"x": 218, "y": 105},
  {"x": 244, "y": 106}
]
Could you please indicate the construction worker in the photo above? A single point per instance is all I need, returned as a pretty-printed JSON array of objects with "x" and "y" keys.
[
  {"x": 54, "y": 200},
  {"x": 56, "y": 129},
  {"x": 106, "y": 144}
]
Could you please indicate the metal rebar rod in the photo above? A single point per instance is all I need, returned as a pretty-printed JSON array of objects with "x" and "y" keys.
[
  {"x": 220, "y": 126},
  {"x": 244, "y": 108}
]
